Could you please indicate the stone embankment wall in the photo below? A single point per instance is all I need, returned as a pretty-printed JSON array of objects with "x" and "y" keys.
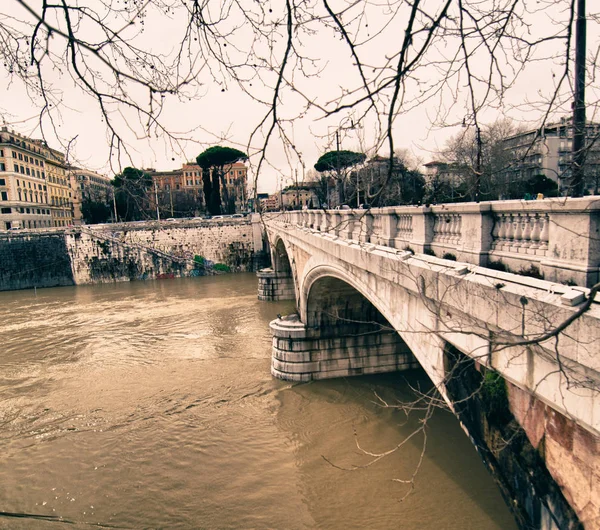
[
  {"x": 236, "y": 243},
  {"x": 128, "y": 251},
  {"x": 33, "y": 259}
]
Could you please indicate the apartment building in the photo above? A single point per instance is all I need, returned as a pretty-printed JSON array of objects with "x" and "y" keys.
[
  {"x": 548, "y": 151},
  {"x": 23, "y": 185},
  {"x": 86, "y": 184}
]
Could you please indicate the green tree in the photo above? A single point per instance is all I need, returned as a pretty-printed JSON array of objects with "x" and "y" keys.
[
  {"x": 94, "y": 212},
  {"x": 215, "y": 162},
  {"x": 338, "y": 165},
  {"x": 131, "y": 194}
]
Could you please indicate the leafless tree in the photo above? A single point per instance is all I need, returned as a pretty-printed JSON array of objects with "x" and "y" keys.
[{"x": 461, "y": 58}]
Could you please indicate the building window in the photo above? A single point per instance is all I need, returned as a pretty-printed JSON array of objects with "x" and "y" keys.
[
  {"x": 22, "y": 169},
  {"x": 5, "y": 210},
  {"x": 20, "y": 156},
  {"x": 16, "y": 168},
  {"x": 2, "y": 166},
  {"x": 2, "y": 182},
  {"x": 4, "y": 195},
  {"x": 14, "y": 153}
]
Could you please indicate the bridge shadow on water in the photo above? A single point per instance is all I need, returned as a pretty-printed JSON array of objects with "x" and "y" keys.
[{"x": 452, "y": 488}]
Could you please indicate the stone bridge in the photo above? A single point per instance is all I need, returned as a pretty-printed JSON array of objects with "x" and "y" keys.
[{"x": 516, "y": 357}]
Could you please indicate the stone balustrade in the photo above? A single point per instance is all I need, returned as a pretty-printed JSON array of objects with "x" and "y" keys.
[{"x": 561, "y": 237}]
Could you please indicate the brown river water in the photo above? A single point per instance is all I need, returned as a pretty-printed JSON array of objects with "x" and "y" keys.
[{"x": 151, "y": 405}]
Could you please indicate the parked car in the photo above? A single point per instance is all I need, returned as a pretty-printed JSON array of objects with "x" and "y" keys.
[
  {"x": 238, "y": 216},
  {"x": 364, "y": 206},
  {"x": 342, "y": 207}
]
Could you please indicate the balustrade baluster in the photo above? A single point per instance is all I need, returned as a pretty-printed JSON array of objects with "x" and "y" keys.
[
  {"x": 447, "y": 229},
  {"x": 335, "y": 224},
  {"x": 544, "y": 233},
  {"x": 516, "y": 233},
  {"x": 457, "y": 228},
  {"x": 510, "y": 232},
  {"x": 325, "y": 221},
  {"x": 350, "y": 225},
  {"x": 535, "y": 233},
  {"x": 436, "y": 227},
  {"x": 496, "y": 231},
  {"x": 527, "y": 228},
  {"x": 317, "y": 221}
]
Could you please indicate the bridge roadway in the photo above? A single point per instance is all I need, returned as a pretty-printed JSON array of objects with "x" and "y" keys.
[{"x": 370, "y": 301}]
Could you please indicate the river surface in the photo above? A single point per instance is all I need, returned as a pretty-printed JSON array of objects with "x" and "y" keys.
[{"x": 151, "y": 405}]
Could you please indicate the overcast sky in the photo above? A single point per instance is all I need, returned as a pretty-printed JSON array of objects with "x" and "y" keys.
[{"x": 218, "y": 111}]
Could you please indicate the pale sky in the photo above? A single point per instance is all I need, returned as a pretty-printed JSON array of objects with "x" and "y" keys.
[{"x": 219, "y": 112}]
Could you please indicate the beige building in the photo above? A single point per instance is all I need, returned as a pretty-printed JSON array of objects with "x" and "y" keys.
[
  {"x": 60, "y": 196},
  {"x": 296, "y": 198},
  {"x": 23, "y": 185},
  {"x": 270, "y": 203},
  {"x": 86, "y": 184}
]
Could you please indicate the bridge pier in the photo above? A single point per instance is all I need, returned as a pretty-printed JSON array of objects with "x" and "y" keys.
[
  {"x": 274, "y": 286},
  {"x": 301, "y": 353}
]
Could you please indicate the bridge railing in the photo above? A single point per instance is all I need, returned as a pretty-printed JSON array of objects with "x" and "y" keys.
[{"x": 557, "y": 238}]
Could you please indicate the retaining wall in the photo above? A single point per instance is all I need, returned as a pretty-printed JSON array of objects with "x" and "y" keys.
[{"x": 128, "y": 251}]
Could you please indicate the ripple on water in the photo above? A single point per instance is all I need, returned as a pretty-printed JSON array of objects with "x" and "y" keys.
[{"x": 150, "y": 405}]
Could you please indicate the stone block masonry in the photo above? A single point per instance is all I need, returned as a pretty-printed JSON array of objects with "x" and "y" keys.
[
  {"x": 128, "y": 251},
  {"x": 274, "y": 286},
  {"x": 303, "y": 354},
  {"x": 29, "y": 260}
]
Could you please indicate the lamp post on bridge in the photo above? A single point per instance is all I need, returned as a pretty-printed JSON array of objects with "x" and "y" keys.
[{"x": 478, "y": 158}]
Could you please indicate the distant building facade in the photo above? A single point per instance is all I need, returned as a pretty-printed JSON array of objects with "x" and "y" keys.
[
  {"x": 443, "y": 171},
  {"x": 23, "y": 186},
  {"x": 298, "y": 197},
  {"x": 548, "y": 151},
  {"x": 86, "y": 184},
  {"x": 60, "y": 197},
  {"x": 270, "y": 203}
]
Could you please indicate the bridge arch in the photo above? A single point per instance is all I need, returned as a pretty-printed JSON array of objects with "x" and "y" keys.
[
  {"x": 280, "y": 282},
  {"x": 426, "y": 346},
  {"x": 280, "y": 258}
]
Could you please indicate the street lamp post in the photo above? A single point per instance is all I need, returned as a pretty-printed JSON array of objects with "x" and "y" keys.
[
  {"x": 478, "y": 159},
  {"x": 578, "y": 157}
]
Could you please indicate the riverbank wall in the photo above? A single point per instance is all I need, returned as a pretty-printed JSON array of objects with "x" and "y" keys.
[{"x": 130, "y": 251}]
